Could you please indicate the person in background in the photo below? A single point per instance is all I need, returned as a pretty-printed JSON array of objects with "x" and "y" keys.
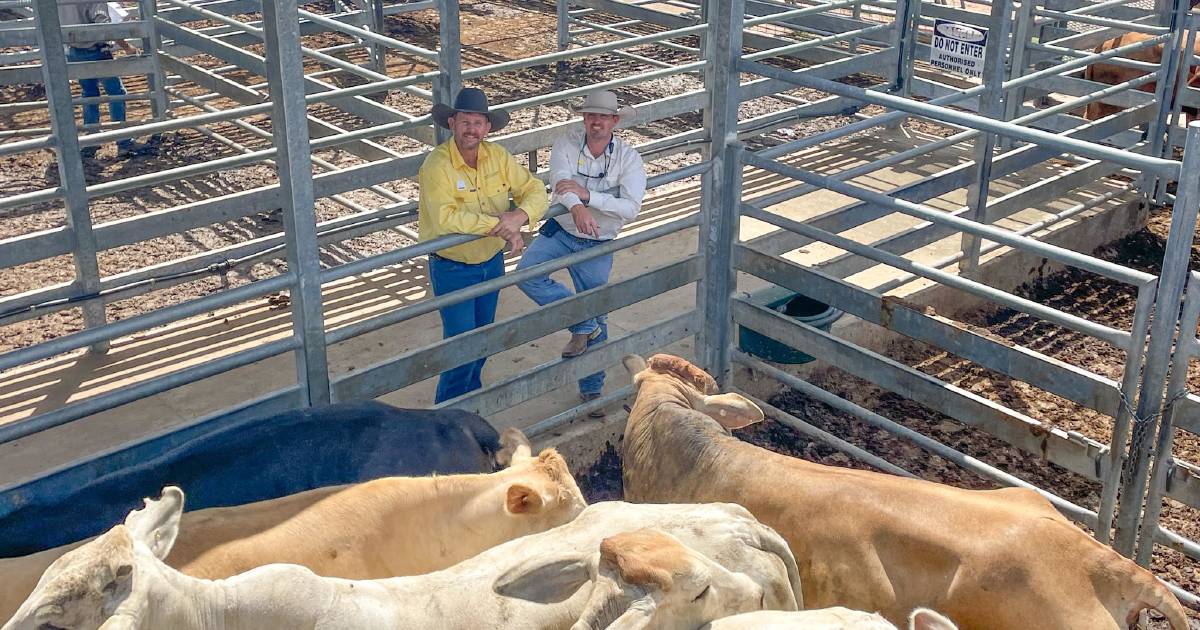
[
  {"x": 99, "y": 13},
  {"x": 585, "y": 163},
  {"x": 465, "y": 188}
]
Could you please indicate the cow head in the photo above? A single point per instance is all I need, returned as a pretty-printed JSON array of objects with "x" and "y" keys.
[
  {"x": 543, "y": 490},
  {"x": 672, "y": 377},
  {"x": 96, "y": 585},
  {"x": 649, "y": 579}
]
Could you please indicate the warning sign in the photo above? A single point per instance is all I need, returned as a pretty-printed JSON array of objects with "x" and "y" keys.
[{"x": 958, "y": 47}]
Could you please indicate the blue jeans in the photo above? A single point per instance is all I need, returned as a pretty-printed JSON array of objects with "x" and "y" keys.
[
  {"x": 91, "y": 88},
  {"x": 446, "y": 276},
  {"x": 585, "y": 275}
]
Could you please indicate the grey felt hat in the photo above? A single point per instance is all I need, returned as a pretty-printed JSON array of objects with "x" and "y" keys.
[{"x": 471, "y": 100}]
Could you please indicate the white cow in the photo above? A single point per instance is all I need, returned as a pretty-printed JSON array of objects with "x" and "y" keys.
[
  {"x": 836, "y": 618},
  {"x": 375, "y": 529},
  {"x": 707, "y": 561}
]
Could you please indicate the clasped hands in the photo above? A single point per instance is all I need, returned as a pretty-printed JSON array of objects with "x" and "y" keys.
[{"x": 509, "y": 229}]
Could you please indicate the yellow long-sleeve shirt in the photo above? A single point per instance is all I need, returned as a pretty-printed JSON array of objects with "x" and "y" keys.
[{"x": 458, "y": 199}]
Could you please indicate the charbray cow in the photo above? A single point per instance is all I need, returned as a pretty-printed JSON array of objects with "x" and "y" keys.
[
  {"x": 381, "y": 528},
  {"x": 1110, "y": 74},
  {"x": 700, "y": 562},
  {"x": 996, "y": 559},
  {"x": 837, "y": 618}
]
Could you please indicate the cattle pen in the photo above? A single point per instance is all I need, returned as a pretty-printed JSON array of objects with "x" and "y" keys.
[{"x": 846, "y": 151}]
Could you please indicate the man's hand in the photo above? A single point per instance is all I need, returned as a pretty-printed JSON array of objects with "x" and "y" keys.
[
  {"x": 515, "y": 244},
  {"x": 584, "y": 221},
  {"x": 510, "y": 224},
  {"x": 127, "y": 47},
  {"x": 564, "y": 186}
]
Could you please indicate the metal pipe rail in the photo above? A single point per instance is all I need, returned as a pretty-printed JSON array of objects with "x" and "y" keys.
[
  {"x": 1116, "y": 338},
  {"x": 364, "y": 34},
  {"x": 1059, "y": 16},
  {"x": 165, "y": 315},
  {"x": 313, "y": 54},
  {"x": 1000, "y": 235},
  {"x": 96, "y": 404},
  {"x": 1159, "y": 166},
  {"x": 814, "y": 43},
  {"x": 594, "y": 49},
  {"x": 442, "y": 242},
  {"x": 897, "y": 116}
]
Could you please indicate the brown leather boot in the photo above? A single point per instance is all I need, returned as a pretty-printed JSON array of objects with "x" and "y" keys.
[
  {"x": 579, "y": 343},
  {"x": 597, "y": 412}
]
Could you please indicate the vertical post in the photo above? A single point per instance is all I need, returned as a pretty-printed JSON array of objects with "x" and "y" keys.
[
  {"x": 908, "y": 13},
  {"x": 991, "y": 104},
  {"x": 151, "y": 43},
  {"x": 449, "y": 80},
  {"x": 1162, "y": 337},
  {"x": 1135, "y": 354},
  {"x": 70, "y": 164},
  {"x": 375, "y": 25},
  {"x": 721, "y": 188},
  {"x": 1163, "y": 460},
  {"x": 1012, "y": 105},
  {"x": 1177, "y": 105},
  {"x": 1164, "y": 89},
  {"x": 289, "y": 131},
  {"x": 562, "y": 25}
]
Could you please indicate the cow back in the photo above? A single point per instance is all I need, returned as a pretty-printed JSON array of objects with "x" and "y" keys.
[{"x": 252, "y": 460}]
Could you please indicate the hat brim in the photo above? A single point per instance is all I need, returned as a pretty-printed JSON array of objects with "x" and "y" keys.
[
  {"x": 623, "y": 112},
  {"x": 442, "y": 113}
]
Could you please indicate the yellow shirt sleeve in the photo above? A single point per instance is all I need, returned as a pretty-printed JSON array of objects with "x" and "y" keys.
[
  {"x": 528, "y": 192},
  {"x": 437, "y": 183}
]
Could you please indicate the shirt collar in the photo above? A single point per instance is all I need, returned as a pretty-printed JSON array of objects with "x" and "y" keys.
[{"x": 456, "y": 158}]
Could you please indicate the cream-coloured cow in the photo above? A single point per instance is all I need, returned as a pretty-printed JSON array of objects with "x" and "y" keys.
[
  {"x": 704, "y": 562},
  {"x": 995, "y": 559},
  {"x": 836, "y": 618},
  {"x": 381, "y": 528}
]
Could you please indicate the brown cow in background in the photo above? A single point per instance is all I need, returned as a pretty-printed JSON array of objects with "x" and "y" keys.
[
  {"x": 987, "y": 559},
  {"x": 1111, "y": 74}
]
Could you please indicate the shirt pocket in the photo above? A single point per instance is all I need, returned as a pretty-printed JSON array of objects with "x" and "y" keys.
[{"x": 496, "y": 191}]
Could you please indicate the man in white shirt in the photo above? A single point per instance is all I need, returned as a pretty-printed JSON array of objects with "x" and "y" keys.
[{"x": 601, "y": 180}]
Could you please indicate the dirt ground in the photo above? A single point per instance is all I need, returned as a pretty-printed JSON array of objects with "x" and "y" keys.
[
  {"x": 492, "y": 32},
  {"x": 1076, "y": 292}
]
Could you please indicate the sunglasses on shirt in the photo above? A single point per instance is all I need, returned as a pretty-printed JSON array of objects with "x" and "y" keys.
[{"x": 579, "y": 163}]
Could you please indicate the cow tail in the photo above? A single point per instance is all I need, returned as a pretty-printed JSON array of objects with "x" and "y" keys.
[{"x": 1156, "y": 596}]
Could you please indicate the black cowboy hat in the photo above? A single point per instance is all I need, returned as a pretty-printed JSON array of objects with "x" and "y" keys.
[{"x": 471, "y": 100}]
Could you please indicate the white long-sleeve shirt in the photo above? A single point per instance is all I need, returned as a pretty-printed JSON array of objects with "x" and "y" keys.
[{"x": 622, "y": 167}]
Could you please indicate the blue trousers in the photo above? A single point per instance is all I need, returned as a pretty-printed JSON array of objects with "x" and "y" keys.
[
  {"x": 91, "y": 88},
  {"x": 588, "y": 274},
  {"x": 447, "y": 276}
]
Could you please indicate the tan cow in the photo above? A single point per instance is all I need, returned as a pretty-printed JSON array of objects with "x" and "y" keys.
[
  {"x": 380, "y": 528},
  {"x": 1110, "y": 74},
  {"x": 994, "y": 559},
  {"x": 837, "y": 618},
  {"x": 666, "y": 567}
]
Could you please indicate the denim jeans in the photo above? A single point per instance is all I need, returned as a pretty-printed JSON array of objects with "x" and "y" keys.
[
  {"x": 91, "y": 88},
  {"x": 446, "y": 276},
  {"x": 585, "y": 275}
]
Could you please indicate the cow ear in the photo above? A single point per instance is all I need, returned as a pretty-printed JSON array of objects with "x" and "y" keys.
[
  {"x": 636, "y": 618},
  {"x": 545, "y": 580},
  {"x": 523, "y": 500},
  {"x": 157, "y": 524},
  {"x": 514, "y": 448},
  {"x": 733, "y": 411},
  {"x": 926, "y": 619}
]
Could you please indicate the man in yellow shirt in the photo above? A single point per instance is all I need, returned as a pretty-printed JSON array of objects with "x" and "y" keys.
[{"x": 465, "y": 188}]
